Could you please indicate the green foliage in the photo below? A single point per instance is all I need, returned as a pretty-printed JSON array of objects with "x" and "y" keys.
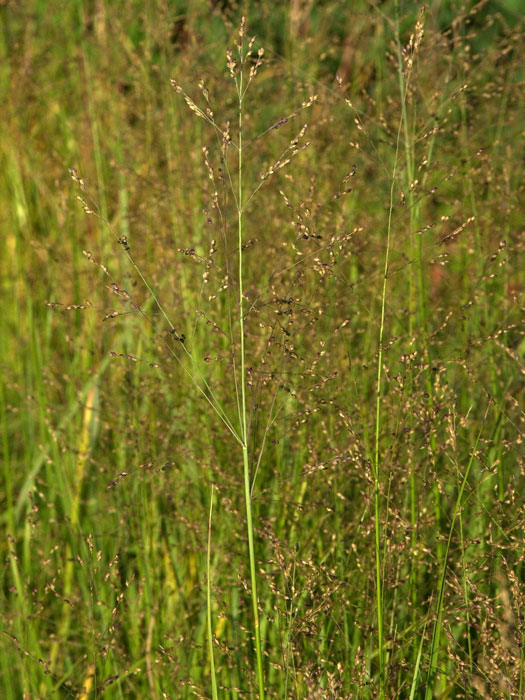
[{"x": 378, "y": 252}]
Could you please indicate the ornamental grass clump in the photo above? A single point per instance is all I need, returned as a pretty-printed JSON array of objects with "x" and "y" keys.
[{"x": 261, "y": 399}]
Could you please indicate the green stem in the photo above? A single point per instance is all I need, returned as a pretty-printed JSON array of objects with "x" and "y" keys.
[
  {"x": 376, "y": 463},
  {"x": 214, "y": 692},
  {"x": 243, "y": 417}
]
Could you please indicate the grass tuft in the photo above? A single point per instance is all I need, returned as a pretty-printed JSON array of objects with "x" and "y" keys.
[{"x": 261, "y": 396}]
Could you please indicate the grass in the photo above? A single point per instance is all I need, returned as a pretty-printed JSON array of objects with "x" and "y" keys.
[{"x": 261, "y": 396}]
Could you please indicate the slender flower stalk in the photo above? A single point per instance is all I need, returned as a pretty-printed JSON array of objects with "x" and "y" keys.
[{"x": 244, "y": 421}]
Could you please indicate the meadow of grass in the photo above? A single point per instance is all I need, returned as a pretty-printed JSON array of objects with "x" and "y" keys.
[{"x": 261, "y": 391}]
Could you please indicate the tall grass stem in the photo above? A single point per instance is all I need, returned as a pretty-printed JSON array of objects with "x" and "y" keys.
[{"x": 244, "y": 419}]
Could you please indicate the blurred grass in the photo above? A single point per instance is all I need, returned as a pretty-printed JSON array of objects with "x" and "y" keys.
[{"x": 104, "y": 589}]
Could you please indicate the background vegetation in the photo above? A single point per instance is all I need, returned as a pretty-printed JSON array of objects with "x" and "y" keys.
[{"x": 384, "y": 422}]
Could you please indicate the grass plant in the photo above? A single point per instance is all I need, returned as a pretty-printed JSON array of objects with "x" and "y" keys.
[{"x": 261, "y": 400}]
